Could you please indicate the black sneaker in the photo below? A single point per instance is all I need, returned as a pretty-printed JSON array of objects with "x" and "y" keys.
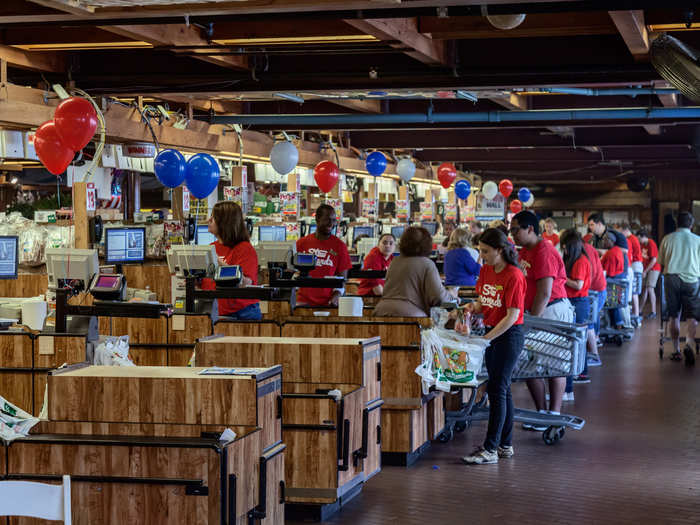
[
  {"x": 689, "y": 356},
  {"x": 651, "y": 316},
  {"x": 582, "y": 379}
]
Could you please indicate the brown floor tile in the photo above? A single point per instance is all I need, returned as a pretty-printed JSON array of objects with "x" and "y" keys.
[{"x": 636, "y": 461}]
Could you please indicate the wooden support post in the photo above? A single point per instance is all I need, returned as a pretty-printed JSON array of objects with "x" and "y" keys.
[
  {"x": 176, "y": 204},
  {"x": 403, "y": 193},
  {"x": 293, "y": 183},
  {"x": 428, "y": 195},
  {"x": 80, "y": 216},
  {"x": 133, "y": 202},
  {"x": 451, "y": 197}
]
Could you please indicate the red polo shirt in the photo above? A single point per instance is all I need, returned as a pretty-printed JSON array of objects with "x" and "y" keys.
[{"x": 539, "y": 262}]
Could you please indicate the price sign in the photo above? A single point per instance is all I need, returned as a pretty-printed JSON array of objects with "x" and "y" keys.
[
  {"x": 292, "y": 231},
  {"x": 426, "y": 211},
  {"x": 451, "y": 212},
  {"x": 185, "y": 200},
  {"x": 369, "y": 208},
  {"x": 337, "y": 205},
  {"x": 91, "y": 198},
  {"x": 402, "y": 209},
  {"x": 289, "y": 203}
]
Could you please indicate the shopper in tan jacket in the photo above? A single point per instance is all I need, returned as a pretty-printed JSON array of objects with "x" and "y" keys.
[{"x": 413, "y": 283}]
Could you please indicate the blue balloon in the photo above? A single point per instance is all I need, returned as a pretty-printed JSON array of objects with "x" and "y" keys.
[
  {"x": 463, "y": 189},
  {"x": 170, "y": 167},
  {"x": 524, "y": 195},
  {"x": 376, "y": 163},
  {"x": 202, "y": 175}
]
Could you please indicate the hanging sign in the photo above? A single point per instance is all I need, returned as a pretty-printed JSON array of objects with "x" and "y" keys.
[
  {"x": 292, "y": 231},
  {"x": 426, "y": 211},
  {"x": 139, "y": 150},
  {"x": 237, "y": 194},
  {"x": 491, "y": 208},
  {"x": 185, "y": 200},
  {"x": 451, "y": 212},
  {"x": 369, "y": 208},
  {"x": 289, "y": 203},
  {"x": 337, "y": 205},
  {"x": 403, "y": 209},
  {"x": 91, "y": 197}
]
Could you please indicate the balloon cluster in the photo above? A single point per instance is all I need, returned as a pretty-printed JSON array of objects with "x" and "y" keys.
[
  {"x": 505, "y": 188},
  {"x": 200, "y": 173},
  {"x": 73, "y": 126}
]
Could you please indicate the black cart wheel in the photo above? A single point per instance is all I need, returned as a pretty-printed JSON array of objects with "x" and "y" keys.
[
  {"x": 446, "y": 435},
  {"x": 618, "y": 340},
  {"x": 460, "y": 426},
  {"x": 551, "y": 435}
]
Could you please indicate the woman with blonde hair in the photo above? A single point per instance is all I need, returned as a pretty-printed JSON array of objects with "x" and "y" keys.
[{"x": 461, "y": 268}]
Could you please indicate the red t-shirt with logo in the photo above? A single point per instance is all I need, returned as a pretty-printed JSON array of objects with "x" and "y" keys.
[
  {"x": 331, "y": 258},
  {"x": 243, "y": 255},
  {"x": 598, "y": 282},
  {"x": 580, "y": 271},
  {"x": 538, "y": 263},
  {"x": 613, "y": 262},
  {"x": 500, "y": 291},
  {"x": 635, "y": 249},
  {"x": 649, "y": 251},
  {"x": 374, "y": 261},
  {"x": 554, "y": 238},
  {"x": 587, "y": 238}
]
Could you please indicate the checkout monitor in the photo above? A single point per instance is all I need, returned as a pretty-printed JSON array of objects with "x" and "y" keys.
[
  {"x": 362, "y": 230},
  {"x": 125, "y": 245},
  {"x": 66, "y": 265},
  {"x": 272, "y": 233},
  {"x": 431, "y": 227},
  {"x": 397, "y": 231},
  {"x": 203, "y": 236},
  {"x": 9, "y": 256}
]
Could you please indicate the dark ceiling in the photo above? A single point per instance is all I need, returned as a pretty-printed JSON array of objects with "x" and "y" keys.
[{"x": 435, "y": 49}]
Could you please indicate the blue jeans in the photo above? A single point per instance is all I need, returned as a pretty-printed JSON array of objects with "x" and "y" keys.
[
  {"x": 581, "y": 307},
  {"x": 249, "y": 313},
  {"x": 501, "y": 358},
  {"x": 602, "y": 297}
]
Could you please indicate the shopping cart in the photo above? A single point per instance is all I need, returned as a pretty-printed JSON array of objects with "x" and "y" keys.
[
  {"x": 616, "y": 298},
  {"x": 551, "y": 349},
  {"x": 664, "y": 325}
]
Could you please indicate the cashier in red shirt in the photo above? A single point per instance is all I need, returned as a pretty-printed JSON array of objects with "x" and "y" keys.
[
  {"x": 501, "y": 298},
  {"x": 379, "y": 258},
  {"x": 233, "y": 248},
  {"x": 614, "y": 266},
  {"x": 545, "y": 296},
  {"x": 332, "y": 259}
]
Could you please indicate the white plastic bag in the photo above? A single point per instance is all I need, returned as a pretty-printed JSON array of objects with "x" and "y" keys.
[
  {"x": 450, "y": 359},
  {"x": 14, "y": 422},
  {"x": 113, "y": 351}
]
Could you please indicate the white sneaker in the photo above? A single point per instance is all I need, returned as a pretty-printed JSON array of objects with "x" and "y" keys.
[
  {"x": 506, "y": 452},
  {"x": 568, "y": 396},
  {"x": 481, "y": 456}
]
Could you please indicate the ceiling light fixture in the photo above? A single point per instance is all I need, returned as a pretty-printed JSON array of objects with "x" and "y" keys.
[
  {"x": 282, "y": 41},
  {"x": 87, "y": 46}
]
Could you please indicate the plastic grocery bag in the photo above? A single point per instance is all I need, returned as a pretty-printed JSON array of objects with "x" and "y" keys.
[
  {"x": 450, "y": 359},
  {"x": 14, "y": 422},
  {"x": 113, "y": 351}
]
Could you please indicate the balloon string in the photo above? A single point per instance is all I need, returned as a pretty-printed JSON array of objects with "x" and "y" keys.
[{"x": 101, "y": 144}]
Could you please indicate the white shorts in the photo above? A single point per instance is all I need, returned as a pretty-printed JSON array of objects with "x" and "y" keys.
[
  {"x": 638, "y": 267},
  {"x": 559, "y": 311}
]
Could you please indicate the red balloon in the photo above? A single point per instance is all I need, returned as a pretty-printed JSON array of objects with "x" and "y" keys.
[
  {"x": 447, "y": 174},
  {"x": 506, "y": 188},
  {"x": 516, "y": 206},
  {"x": 51, "y": 151},
  {"x": 326, "y": 175},
  {"x": 76, "y": 122}
]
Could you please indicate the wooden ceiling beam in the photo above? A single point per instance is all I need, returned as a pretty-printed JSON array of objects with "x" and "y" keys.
[
  {"x": 513, "y": 102},
  {"x": 535, "y": 25},
  {"x": 48, "y": 61},
  {"x": 73, "y": 7},
  {"x": 631, "y": 26},
  {"x": 404, "y": 31},
  {"x": 363, "y": 106},
  {"x": 219, "y": 106}
]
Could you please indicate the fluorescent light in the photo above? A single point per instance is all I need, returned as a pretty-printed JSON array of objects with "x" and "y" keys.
[
  {"x": 290, "y": 97},
  {"x": 674, "y": 27},
  {"x": 466, "y": 95},
  {"x": 73, "y": 46},
  {"x": 281, "y": 41},
  {"x": 13, "y": 180}
]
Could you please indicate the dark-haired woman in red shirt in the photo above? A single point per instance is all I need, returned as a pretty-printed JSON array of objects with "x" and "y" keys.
[{"x": 501, "y": 290}]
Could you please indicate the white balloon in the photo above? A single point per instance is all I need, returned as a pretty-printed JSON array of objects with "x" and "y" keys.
[
  {"x": 284, "y": 157},
  {"x": 406, "y": 169},
  {"x": 490, "y": 189},
  {"x": 530, "y": 201}
]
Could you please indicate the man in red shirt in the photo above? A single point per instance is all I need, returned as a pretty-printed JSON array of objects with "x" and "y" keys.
[
  {"x": 332, "y": 259},
  {"x": 650, "y": 274},
  {"x": 545, "y": 295},
  {"x": 635, "y": 255},
  {"x": 614, "y": 266},
  {"x": 598, "y": 284}
]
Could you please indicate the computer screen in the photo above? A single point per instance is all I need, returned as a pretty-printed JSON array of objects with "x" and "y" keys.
[
  {"x": 356, "y": 258},
  {"x": 312, "y": 228},
  {"x": 305, "y": 258},
  {"x": 9, "y": 256},
  {"x": 65, "y": 266},
  {"x": 125, "y": 245},
  {"x": 362, "y": 230},
  {"x": 397, "y": 231},
  {"x": 203, "y": 236},
  {"x": 272, "y": 233},
  {"x": 430, "y": 226},
  {"x": 106, "y": 281}
]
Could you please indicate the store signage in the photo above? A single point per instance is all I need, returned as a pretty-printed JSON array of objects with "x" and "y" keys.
[
  {"x": 91, "y": 197},
  {"x": 403, "y": 209},
  {"x": 451, "y": 212},
  {"x": 289, "y": 203},
  {"x": 185, "y": 200},
  {"x": 426, "y": 211},
  {"x": 292, "y": 231},
  {"x": 369, "y": 208},
  {"x": 143, "y": 150},
  {"x": 495, "y": 207},
  {"x": 237, "y": 194},
  {"x": 337, "y": 205}
]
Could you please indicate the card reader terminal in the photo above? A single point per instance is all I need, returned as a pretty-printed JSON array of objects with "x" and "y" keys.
[
  {"x": 228, "y": 276},
  {"x": 304, "y": 262},
  {"x": 108, "y": 287}
]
